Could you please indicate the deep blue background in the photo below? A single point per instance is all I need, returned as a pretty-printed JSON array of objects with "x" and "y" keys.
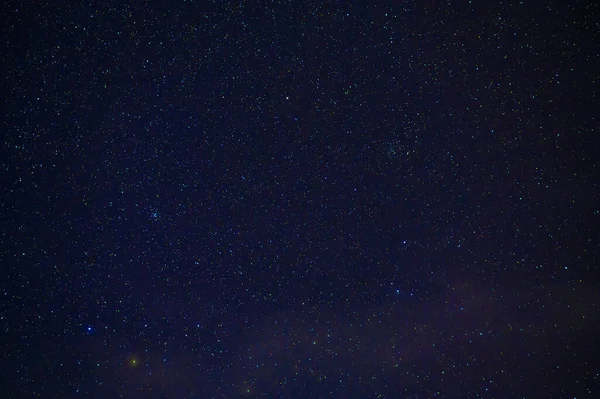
[{"x": 300, "y": 200}]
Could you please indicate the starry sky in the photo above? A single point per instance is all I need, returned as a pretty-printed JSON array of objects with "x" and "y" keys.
[{"x": 312, "y": 199}]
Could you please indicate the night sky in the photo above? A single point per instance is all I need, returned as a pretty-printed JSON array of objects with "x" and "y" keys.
[{"x": 307, "y": 199}]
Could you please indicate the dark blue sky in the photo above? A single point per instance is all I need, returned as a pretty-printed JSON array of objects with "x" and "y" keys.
[{"x": 300, "y": 200}]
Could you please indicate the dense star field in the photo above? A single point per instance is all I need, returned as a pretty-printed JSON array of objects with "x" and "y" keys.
[{"x": 300, "y": 199}]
